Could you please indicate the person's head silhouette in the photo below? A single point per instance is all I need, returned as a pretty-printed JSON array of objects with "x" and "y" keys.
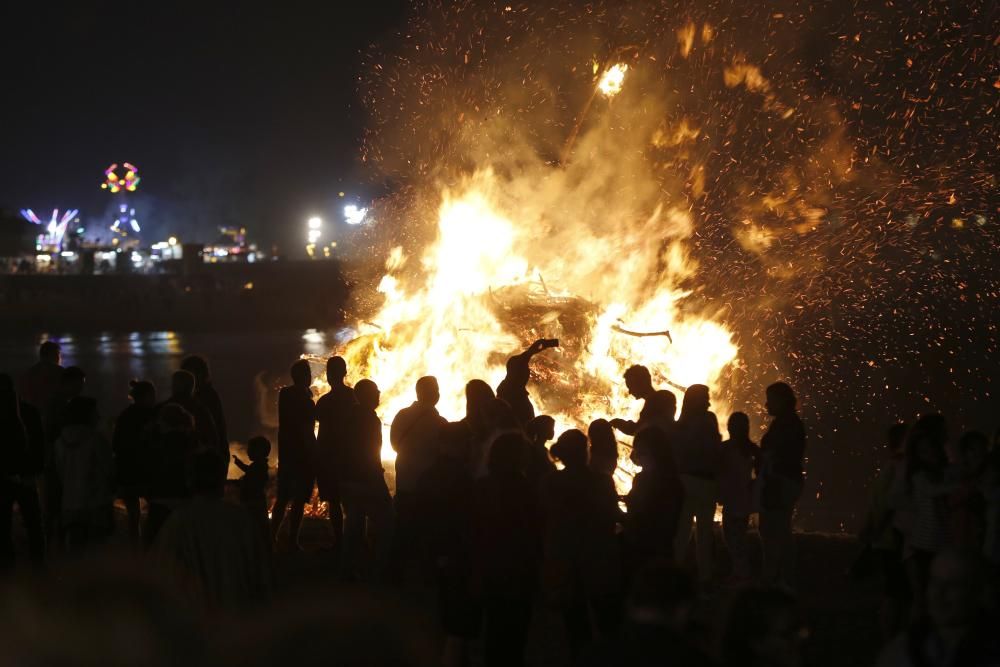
[
  {"x": 738, "y": 427},
  {"x": 428, "y": 392},
  {"x": 571, "y": 448},
  {"x": 696, "y": 400},
  {"x": 662, "y": 403},
  {"x": 638, "y": 381},
  {"x": 143, "y": 393},
  {"x": 367, "y": 394},
  {"x": 50, "y": 352},
  {"x": 301, "y": 373},
  {"x": 541, "y": 428},
  {"x": 182, "y": 384},
  {"x": 336, "y": 370},
  {"x": 780, "y": 399},
  {"x": 198, "y": 367},
  {"x": 478, "y": 395},
  {"x": 258, "y": 448}
]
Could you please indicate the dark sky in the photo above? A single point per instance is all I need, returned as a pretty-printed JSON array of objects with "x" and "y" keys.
[{"x": 233, "y": 113}]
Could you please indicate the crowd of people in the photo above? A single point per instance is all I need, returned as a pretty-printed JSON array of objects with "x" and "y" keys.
[{"x": 497, "y": 513}]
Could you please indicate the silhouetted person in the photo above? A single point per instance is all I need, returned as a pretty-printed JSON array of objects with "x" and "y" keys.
[
  {"x": 654, "y": 501},
  {"x": 959, "y": 627},
  {"x": 656, "y": 408},
  {"x": 84, "y": 463},
  {"x": 500, "y": 420},
  {"x": 782, "y": 450},
  {"x": 134, "y": 430},
  {"x": 478, "y": 396},
  {"x": 991, "y": 491},
  {"x": 253, "y": 484},
  {"x": 926, "y": 491},
  {"x": 182, "y": 387},
  {"x": 660, "y": 627},
  {"x": 883, "y": 538},
  {"x": 538, "y": 463},
  {"x": 967, "y": 503},
  {"x": 366, "y": 496},
  {"x": 414, "y": 436},
  {"x": 514, "y": 387},
  {"x": 170, "y": 460},
  {"x": 763, "y": 629},
  {"x": 333, "y": 412},
  {"x": 215, "y": 545},
  {"x": 696, "y": 450},
  {"x": 582, "y": 568},
  {"x": 208, "y": 397},
  {"x": 296, "y": 451},
  {"x": 603, "y": 447},
  {"x": 739, "y": 455},
  {"x": 22, "y": 448},
  {"x": 443, "y": 494},
  {"x": 506, "y": 550},
  {"x": 39, "y": 384},
  {"x": 72, "y": 381}
]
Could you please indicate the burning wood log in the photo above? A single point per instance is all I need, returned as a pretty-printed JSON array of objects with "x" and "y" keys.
[{"x": 640, "y": 334}]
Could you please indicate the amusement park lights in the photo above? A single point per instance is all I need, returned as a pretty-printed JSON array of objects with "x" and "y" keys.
[
  {"x": 115, "y": 183},
  {"x": 55, "y": 228},
  {"x": 126, "y": 220}
]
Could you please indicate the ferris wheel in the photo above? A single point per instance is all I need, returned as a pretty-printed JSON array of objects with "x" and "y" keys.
[
  {"x": 115, "y": 183},
  {"x": 120, "y": 184}
]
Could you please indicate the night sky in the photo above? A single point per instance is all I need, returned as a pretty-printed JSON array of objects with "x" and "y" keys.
[{"x": 234, "y": 114}]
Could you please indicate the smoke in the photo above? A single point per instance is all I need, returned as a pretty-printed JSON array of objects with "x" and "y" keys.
[{"x": 816, "y": 175}]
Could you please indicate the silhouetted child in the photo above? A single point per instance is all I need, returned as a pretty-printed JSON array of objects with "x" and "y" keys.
[
  {"x": 739, "y": 454},
  {"x": 253, "y": 484},
  {"x": 539, "y": 430}
]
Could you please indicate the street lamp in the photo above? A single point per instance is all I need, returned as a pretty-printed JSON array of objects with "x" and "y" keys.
[{"x": 315, "y": 225}]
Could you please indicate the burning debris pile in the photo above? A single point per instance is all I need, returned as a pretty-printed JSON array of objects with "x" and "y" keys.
[{"x": 481, "y": 291}]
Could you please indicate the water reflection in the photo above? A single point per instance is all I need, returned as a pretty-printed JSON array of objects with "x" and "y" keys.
[{"x": 238, "y": 361}]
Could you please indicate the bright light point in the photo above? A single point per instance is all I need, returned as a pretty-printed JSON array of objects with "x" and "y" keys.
[
  {"x": 354, "y": 215},
  {"x": 314, "y": 235},
  {"x": 315, "y": 223},
  {"x": 612, "y": 80},
  {"x": 172, "y": 240}
]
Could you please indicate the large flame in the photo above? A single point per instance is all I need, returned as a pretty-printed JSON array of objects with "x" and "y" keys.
[{"x": 464, "y": 313}]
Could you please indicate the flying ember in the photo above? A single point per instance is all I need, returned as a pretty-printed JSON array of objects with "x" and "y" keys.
[{"x": 739, "y": 213}]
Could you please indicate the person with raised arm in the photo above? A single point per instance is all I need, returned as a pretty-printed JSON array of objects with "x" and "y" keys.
[{"x": 514, "y": 387}]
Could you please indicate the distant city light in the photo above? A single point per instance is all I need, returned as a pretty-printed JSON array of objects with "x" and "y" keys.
[
  {"x": 315, "y": 225},
  {"x": 354, "y": 215},
  {"x": 172, "y": 240}
]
